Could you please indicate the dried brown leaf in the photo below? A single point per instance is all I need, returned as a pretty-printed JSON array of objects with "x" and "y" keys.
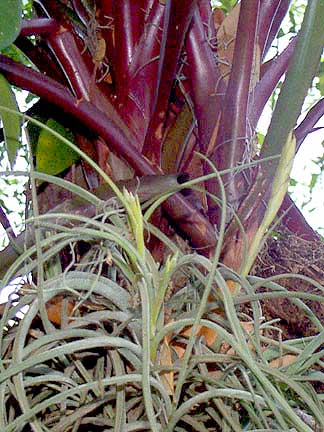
[{"x": 284, "y": 360}]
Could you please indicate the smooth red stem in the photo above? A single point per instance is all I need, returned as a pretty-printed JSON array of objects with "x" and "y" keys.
[
  {"x": 231, "y": 145},
  {"x": 207, "y": 85},
  {"x": 39, "y": 26},
  {"x": 68, "y": 52},
  {"x": 177, "y": 19},
  {"x": 128, "y": 28}
]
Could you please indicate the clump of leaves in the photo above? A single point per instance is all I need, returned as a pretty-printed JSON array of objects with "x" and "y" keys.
[{"x": 120, "y": 341}]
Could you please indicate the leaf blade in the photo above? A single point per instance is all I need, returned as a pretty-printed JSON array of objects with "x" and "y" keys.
[
  {"x": 52, "y": 155},
  {"x": 10, "y": 120},
  {"x": 10, "y": 21}
]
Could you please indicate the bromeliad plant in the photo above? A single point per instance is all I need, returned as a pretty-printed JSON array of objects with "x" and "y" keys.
[
  {"x": 120, "y": 341},
  {"x": 144, "y": 88}
]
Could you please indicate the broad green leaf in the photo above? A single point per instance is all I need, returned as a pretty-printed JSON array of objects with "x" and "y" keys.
[
  {"x": 52, "y": 155},
  {"x": 11, "y": 122},
  {"x": 10, "y": 21}
]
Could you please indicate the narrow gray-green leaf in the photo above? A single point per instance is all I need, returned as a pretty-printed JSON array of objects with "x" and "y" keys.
[{"x": 11, "y": 122}]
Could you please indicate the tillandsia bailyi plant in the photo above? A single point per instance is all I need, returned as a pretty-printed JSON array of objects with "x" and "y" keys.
[{"x": 154, "y": 93}]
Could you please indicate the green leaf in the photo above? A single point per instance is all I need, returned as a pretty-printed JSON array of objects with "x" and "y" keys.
[
  {"x": 34, "y": 131},
  {"x": 293, "y": 182},
  {"x": 260, "y": 137},
  {"x": 28, "y": 8},
  {"x": 313, "y": 181},
  {"x": 11, "y": 122},
  {"x": 16, "y": 54},
  {"x": 52, "y": 155},
  {"x": 10, "y": 21}
]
